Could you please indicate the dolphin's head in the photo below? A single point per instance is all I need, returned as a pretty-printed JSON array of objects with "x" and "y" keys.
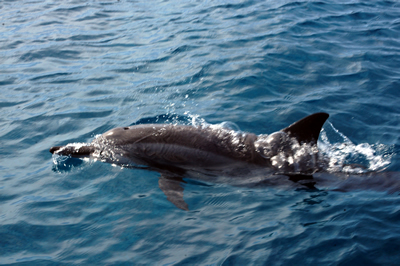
[{"x": 128, "y": 135}]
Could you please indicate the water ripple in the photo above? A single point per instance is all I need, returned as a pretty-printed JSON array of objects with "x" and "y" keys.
[{"x": 70, "y": 70}]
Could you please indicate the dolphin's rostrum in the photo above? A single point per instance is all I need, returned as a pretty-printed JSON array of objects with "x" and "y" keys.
[{"x": 174, "y": 149}]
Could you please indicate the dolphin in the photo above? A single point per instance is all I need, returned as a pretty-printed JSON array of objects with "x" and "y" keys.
[{"x": 175, "y": 149}]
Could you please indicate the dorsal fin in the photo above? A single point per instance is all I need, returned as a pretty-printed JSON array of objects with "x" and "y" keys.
[{"x": 307, "y": 129}]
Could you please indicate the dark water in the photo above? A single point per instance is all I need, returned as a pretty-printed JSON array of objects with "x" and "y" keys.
[{"x": 73, "y": 69}]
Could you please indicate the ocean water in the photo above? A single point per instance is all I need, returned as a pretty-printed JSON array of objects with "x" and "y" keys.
[{"x": 70, "y": 70}]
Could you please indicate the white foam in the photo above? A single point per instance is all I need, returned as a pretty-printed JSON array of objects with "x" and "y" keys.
[{"x": 345, "y": 156}]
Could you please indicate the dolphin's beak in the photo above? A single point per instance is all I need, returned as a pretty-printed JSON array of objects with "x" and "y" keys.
[
  {"x": 80, "y": 151},
  {"x": 55, "y": 148}
]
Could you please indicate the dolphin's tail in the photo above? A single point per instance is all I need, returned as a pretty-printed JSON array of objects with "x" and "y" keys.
[{"x": 73, "y": 150}]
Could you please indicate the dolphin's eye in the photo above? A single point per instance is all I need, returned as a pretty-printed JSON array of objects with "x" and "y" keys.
[{"x": 126, "y": 128}]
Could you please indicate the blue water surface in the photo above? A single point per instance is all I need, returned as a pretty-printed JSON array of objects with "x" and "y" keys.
[{"x": 70, "y": 70}]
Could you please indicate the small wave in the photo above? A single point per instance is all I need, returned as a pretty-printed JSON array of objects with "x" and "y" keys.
[
  {"x": 63, "y": 164},
  {"x": 342, "y": 155}
]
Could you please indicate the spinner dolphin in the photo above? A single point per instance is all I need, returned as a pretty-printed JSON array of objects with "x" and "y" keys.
[{"x": 175, "y": 149}]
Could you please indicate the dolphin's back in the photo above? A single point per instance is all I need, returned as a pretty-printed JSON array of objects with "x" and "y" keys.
[{"x": 182, "y": 145}]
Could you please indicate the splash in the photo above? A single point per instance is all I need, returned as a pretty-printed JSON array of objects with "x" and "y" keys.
[
  {"x": 62, "y": 163},
  {"x": 342, "y": 155},
  {"x": 287, "y": 155},
  {"x": 195, "y": 120},
  {"x": 59, "y": 159}
]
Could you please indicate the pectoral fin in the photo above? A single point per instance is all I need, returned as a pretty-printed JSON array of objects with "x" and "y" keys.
[{"x": 171, "y": 186}]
